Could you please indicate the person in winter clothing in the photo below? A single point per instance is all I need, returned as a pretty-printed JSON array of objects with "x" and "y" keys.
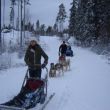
[
  {"x": 63, "y": 48},
  {"x": 33, "y": 59}
]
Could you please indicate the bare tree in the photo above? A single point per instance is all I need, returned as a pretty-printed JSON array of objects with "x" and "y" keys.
[{"x": 0, "y": 30}]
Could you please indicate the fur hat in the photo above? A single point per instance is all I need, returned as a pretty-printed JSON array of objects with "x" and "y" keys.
[{"x": 33, "y": 39}]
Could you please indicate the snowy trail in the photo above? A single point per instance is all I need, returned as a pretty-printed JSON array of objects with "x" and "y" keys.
[{"x": 85, "y": 87}]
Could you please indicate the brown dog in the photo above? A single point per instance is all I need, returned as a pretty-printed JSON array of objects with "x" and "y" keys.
[
  {"x": 62, "y": 60},
  {"x": 65, "y": 62},
  {"x": 59, "y": 68}
]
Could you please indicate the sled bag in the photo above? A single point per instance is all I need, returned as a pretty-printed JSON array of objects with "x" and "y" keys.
[{"x": 34, "y": 84}]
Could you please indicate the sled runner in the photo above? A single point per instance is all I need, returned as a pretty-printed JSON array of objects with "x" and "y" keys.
[{"x": 33, "y": 91}]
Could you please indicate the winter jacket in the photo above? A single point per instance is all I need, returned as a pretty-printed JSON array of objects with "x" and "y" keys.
[
  {"x": 33, "y": 57},
  {"x": 63, "y": 48}
]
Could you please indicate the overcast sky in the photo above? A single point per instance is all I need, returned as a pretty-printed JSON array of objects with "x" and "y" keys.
[{"x": 44, "y": 10}]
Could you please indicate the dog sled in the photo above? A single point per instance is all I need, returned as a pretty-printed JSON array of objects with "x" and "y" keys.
[
  {"x": 33, "y": 91},
  {"x": 69, "y": 52}
]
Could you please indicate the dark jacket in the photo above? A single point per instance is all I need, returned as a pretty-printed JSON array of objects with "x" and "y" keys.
[
  {"x": 63, "y": 48},
  {"x": 33, "y": 56}
]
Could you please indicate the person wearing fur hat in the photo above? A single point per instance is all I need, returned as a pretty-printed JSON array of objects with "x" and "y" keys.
[{"x": 32, "y": 58}]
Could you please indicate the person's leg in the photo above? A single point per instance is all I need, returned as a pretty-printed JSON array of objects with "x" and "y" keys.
[
  {"x": 38, "y": 73},
  {"x": 35, "y": 73},
  {"x": 31, "y": 72}
]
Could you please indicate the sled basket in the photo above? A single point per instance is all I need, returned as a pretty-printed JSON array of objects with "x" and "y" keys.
[{"x": 33, "y": 84}]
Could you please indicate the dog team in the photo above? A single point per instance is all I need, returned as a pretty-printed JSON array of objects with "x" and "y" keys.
[{"x": 63, "y": 64}]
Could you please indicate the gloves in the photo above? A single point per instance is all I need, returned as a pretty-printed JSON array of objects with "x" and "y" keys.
[{"x": 43, "y": 65}]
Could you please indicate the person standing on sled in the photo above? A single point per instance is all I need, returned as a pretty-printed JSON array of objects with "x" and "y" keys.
[
  {"x": 62, "y": 49},
  {"x": 32, "y": 58}
]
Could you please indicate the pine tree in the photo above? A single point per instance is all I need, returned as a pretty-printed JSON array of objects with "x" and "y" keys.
[
  {"x": 49, "y": 31},
  {"x": 55, "y": 29},
  {"x": 90, "y": 23},
  {"x": 42, "y": 29},
  {"x": 102, "y": 20},
  {"x": 72, "y": 21},
  {"x": 37, "y": 27},
  {"x": 61, "y": 16}
]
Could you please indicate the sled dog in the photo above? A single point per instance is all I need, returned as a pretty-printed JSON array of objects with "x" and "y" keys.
[
  {"x": 52, "y": 72},
  {"x": 59, "y": 69}
]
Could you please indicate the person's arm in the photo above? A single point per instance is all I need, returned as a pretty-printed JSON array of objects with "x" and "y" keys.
[
  {"x": 45, "y": 56},
  {"x": 26, "y": 58},
  {"x": 59, "y": 52},
  {"x": 60, "y": 48}
]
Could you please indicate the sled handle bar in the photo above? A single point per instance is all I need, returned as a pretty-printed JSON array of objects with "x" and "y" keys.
[
  {"x": 39, "y": 65},
  {"x": 46, "y": 69},
  {"x": 26, "y": 75}
]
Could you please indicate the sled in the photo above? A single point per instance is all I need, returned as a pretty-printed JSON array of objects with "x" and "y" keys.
[
  {"x": 33, "y": 91},
  {"x": 69, "y": 53},
  {"x": 4, "y": 107}
]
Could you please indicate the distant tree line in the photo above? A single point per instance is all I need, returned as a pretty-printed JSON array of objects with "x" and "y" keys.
[
  {"x": 38, "y": 28},
  {"x": 57, "y": 28}
]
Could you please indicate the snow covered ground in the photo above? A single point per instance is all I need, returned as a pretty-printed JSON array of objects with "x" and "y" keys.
[{"x": 85, "y": 87}]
